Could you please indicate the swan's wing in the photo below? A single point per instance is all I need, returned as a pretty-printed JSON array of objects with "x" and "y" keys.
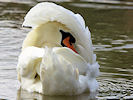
[
  {"x": 73, "y": 58},
  {"x": 87, "y": 81},
  {"x": 59, "y": 76},
  {"x": 28, "y": 67},
  {"x": 45, "y": 12},
  {"x": 28, "y": 60}
]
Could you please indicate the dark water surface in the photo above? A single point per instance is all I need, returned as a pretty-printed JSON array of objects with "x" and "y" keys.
[{"x": 111, "y": 25}]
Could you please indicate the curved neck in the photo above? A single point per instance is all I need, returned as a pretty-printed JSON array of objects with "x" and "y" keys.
[{"x": 47, "y": 34}]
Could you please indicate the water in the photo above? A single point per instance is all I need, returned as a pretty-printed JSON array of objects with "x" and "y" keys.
[{"x": 111, "y": 25}]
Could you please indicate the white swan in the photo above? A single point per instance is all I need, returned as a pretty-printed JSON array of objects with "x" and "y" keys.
[{"x": 57, "y": 55}]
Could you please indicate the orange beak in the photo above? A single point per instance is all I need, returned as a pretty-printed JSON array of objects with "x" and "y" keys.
[{"x": 67, "y": 43}]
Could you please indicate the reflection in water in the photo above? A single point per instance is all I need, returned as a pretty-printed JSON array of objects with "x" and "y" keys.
[{"x": 24, "y": 95}]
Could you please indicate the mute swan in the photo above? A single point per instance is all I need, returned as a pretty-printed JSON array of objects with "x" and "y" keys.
[{"x": 57, "y": 55}]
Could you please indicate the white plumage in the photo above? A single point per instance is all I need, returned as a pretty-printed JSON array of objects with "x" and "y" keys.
[
  {"x": 45, "y": 12},
  {"x": 44, "y": 65}
]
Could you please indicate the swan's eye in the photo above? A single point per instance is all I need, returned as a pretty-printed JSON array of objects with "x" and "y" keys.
[{"x": 67, "y": 40}]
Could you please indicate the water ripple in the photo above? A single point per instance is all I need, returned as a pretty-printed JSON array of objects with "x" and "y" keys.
[
  {"x": 110, "y": 2},
  {"x": 100, "y": 6},
  {"x": 112, "y": 39}
]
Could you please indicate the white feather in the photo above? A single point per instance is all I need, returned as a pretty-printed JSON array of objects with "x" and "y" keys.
[
  {"x": 27, "y": 61},
  {"x": 73, "y": 58},
  {"x": 58, "y": 75},
  {"x": 45, "y": 12},
  {"x": 56, "y": 70},
  {"x": 81, "y": 20},
  {"x": 27, "y": 68}
]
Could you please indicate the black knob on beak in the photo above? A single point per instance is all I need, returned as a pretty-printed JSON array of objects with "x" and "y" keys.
[{"x": 67, "y": 34}]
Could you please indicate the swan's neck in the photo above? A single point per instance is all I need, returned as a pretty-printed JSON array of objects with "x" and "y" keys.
[{"x": 45, "y": 35}]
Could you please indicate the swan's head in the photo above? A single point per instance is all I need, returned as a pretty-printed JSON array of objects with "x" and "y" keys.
[
  {"x": 55, "y": 26},
  {"x": 51, "y": 34}
]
